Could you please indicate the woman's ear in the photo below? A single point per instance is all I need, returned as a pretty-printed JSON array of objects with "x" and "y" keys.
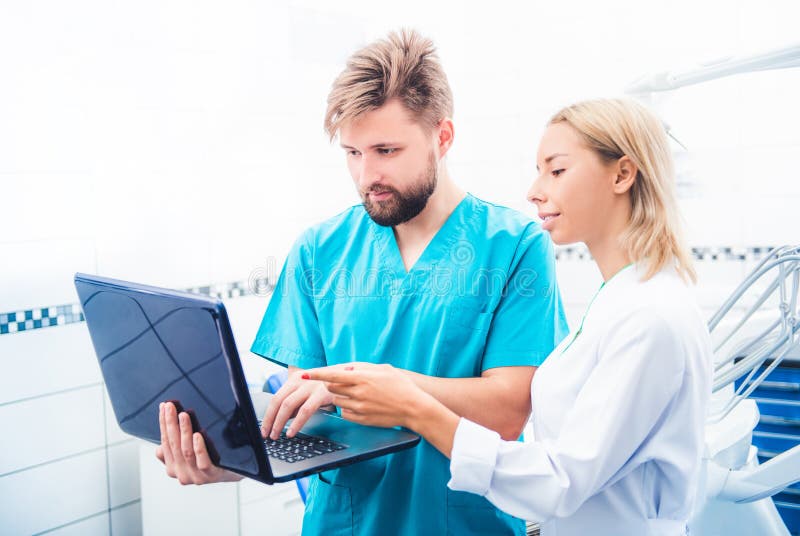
[{"x": 626, "y": 175}]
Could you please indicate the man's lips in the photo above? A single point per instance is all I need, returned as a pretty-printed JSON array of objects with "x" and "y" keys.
[{"x": 381, "y": 195}]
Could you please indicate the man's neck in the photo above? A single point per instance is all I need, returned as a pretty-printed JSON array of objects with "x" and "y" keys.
[{"x": 427, "y": 223}]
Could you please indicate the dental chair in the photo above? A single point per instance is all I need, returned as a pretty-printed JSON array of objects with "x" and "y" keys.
[{"x": 753, "y": 332}]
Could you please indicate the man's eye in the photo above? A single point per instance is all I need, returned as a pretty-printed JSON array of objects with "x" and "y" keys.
[
  {"x": 387, "y": 150},
  {"x": 557, "y": 172},
  {"x": 353, "y": 152}
]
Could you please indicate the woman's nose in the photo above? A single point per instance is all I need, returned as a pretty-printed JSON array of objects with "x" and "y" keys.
[{"x": 535, "y": 194}]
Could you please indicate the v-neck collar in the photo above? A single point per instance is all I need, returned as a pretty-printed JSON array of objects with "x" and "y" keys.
[
  {"x": 390, "y": 252},
  {"x": 619, "y": 278}
]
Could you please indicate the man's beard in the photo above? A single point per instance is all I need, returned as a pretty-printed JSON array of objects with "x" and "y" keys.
[{"x": 401, "y": 207}]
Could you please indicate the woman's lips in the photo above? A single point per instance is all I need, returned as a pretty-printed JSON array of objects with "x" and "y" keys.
[{"x": 548, "y": 220}]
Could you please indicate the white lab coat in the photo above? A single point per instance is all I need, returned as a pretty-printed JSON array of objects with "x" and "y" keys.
[{"x": 618, "y": 417}]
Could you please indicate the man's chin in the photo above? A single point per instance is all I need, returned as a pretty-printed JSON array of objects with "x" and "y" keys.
[
  {"x": 381, "y": 214},
  {"x": 384, "y": 220}
]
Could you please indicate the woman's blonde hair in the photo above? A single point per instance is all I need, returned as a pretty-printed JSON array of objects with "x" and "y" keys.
[{"x": 614, "y": 128}]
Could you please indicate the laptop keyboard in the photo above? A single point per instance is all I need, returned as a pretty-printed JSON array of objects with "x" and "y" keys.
[{"x": 300, "y": 447}]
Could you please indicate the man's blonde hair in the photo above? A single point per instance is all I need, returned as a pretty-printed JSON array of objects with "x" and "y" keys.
[
  {"x": 614, "y": 128},
  {"x": 403, "y": 66}
]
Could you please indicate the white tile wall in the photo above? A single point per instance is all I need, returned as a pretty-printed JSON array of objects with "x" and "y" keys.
[
  {"x": 50, "y": 428},
  {"x": 281, "y": 512},
  {"x": 162, "y": 257},
  {"x": 114, "y": 433},
  {"x": 772, "y": 216},
  {"x": 123, "y": 470},
  {"x": 578, "y": 281},
  {"x": 497, "y": 183},
  {"x": 37, "y": 273},
  {"x": 310, "y": 25},
  {"x": 716, "y": 219},
  {"x": 35, "y": 200},
  {"x": 251, "y": 491},
  {"x": 245, "y": 315},
  {"x": 46, "y": 360},
  {"x": 127, "y": 521},
  {"x": 96, "y": 525},
  {"x": 71, "y": 489},
  {"x": 169, "y": 508},
  {"x": 716, "y": 280}
]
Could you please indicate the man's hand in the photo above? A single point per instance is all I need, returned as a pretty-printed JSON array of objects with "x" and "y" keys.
[
  {"x": 297, "y": 398},
  {"x": 184, "y": 453}
]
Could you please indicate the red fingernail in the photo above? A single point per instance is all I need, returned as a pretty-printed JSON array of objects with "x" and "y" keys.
[
  {"x": 305, "y": 376},
  {"x": 349, "y": 367}
]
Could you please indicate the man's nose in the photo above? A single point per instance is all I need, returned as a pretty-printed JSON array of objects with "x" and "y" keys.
[{"x": 368, "y": 173}]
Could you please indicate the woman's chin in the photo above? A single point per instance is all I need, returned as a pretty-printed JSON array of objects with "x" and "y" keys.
[{"x": 562, "y": 239}]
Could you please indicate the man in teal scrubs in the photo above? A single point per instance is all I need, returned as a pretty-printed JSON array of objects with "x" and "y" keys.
[
  {"x": 459, "y": 292},
  {"x": 456, "y": 291}
]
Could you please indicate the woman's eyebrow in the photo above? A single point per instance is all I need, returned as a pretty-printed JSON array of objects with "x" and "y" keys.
[{"x": 550, "y": 158}]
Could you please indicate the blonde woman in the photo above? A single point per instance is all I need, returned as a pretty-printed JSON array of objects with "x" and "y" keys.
[{"x": 618, "y": 406}]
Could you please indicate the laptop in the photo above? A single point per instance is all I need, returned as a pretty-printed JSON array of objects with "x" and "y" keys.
[{"x": 157, "y": 345}]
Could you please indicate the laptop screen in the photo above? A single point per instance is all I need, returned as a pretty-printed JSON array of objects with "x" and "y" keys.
[{"x": 153, "y": 347}]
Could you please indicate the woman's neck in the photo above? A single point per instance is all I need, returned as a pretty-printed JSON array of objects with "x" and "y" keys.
[{"x": 610, "y": 257}]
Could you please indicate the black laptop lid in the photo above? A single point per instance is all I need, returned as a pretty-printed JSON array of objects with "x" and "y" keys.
[{"x": 155, "y": 345}]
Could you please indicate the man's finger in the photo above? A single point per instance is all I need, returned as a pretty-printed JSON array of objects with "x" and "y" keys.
[
  {"x": 274, "y": 406},
  {"x": 304, "y": 412},
  {"x": 286, "y": 412}
]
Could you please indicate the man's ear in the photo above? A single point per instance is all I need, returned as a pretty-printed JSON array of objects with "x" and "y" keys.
[
  {"x": 626, "y": 175},
  {"x": 445, "y": 133}
]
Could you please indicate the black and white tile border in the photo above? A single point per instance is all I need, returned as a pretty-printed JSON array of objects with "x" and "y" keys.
[
  {"x": 580, "y": 253},
  {"x": 44, "y": 317},
  {"x": 59, "y": 315}
]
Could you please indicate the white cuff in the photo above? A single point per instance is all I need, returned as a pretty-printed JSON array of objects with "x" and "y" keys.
[{"x": 473, "y": 458}]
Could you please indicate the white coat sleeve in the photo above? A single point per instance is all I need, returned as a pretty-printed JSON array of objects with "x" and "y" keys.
[{"x": 639, "y": 370}]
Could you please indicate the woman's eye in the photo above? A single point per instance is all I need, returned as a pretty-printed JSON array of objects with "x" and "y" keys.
[{"x": 557, "y": 172}]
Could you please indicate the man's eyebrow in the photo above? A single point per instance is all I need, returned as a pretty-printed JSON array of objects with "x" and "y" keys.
[
  {"x": 380, "y": 145},
  {"x": 384, "y": 144},
  {"x": 550, "y": 158}
]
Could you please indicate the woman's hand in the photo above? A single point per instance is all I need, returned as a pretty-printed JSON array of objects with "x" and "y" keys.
[
  {"x": 381, "y": 395},
  {"x": 376, "y": 395},
  {"x": 184, "y": 453}
]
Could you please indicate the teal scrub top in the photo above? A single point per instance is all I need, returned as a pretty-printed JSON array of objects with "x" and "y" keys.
[{"x": 483, "y": 294}]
